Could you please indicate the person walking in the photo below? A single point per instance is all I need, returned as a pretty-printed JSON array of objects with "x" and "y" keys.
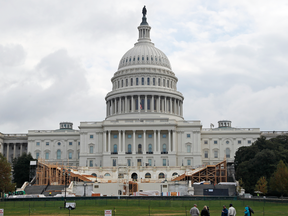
[
  {"x": 194, "y": 211},
  {"x": 205, "y": 211},
  {"x": 231, "y": 210},
  {"x": 224, "y": 211},
  {"x": 247, "y": 212}
]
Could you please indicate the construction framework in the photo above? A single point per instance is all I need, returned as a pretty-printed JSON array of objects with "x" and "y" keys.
[
  {"x": 213, "y": 173},
  {"x": 50, "y": 174}
]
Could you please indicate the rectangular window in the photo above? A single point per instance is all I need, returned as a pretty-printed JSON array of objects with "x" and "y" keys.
[
  {"x": 91, "y": 136},
  {"x": 38, "y": 143},
  {"x": 164, "y": 82},
  {"x": 114, "y": 136},
  {"x": 239, "y": 141},
  {"x": 139, "y": 135},
  {"x": 188, "y": 135},
  {"x": 70, "y": 143},
  {"x": 129, "y": 136},
  {"x": 128, "y": 162},
  {"x": 150, "y": 162},
  {"x": 78, "y": 143},
  {"x": 159, "y": 82},
  {"x": 47, "y": 143},
  {"x": 114, "y": 162},
  {"x": 131, "y": 81},
  {"x": 91, "y": 149},
  {"x": 188, "y": 162},
  {"x": 70, "y": 155},
  {"x": 154, "y": 81},
  {"x": 215, "y": 141},
  {"x": 188, "y": 148},
  {"x": 205, "y": 142},
  {"x": 137, "y": 82},
  {"x": 168, "y": 83},
  {"x": 90, "y": 163},
  {"x": 37, "y": 155},
  {"x": 164, "y": 162},
  {"x": 215, "y": 154},
  {"x": 142, "y": 81},
  {"x": 149, "y": 135},
  {"x": 148, "y": 81},
  {"x": 206, "y": 154},
  {"x": 78, "y": 154},
  {"x": 118, "y": 84},
  {"x": 249, "y": 141},
  {"x": 121, "y": 83},
  {"x": 164, "y": 135},
  {"x": 47, "y": 156},
  {"x": 126, "y": 82}
]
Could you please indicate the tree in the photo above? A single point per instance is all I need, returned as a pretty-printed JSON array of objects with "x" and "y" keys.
[
  {"x": 262, "y": 185},
  {"x": 5, "y": 175},
  {"x": 21, "y": 166},
  {"x": 279, "y": 179}
]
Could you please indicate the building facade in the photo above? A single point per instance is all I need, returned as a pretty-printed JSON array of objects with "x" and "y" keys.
[{"x": 144, "y": 124}]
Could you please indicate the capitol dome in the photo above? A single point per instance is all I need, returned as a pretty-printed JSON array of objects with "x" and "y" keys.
[{"x": 144, "y": 85}]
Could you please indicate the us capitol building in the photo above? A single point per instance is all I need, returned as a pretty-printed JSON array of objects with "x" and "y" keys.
[{"x": 144, "y": 125}]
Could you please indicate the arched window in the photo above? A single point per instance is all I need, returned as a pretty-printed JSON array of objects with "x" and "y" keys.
[
  {"x": 59, "y": 143},
  {"x": 227, "y": 153},
  {"x": 139, "y": 148},
  {"x": 58, "y": 154},
  {"x": 115, "y": 148},
  {"x": 161, "y": 176},
  {"x": 174, "y": 174},
  {"x": 129, "y": 148},
  {"x": 148, "y": 175},
  {"x": 150, "y": 147},
  {"x": 107, "y": 174},
  {"x": 94, "y": 174},
  {"x": 164, "y": 148}
]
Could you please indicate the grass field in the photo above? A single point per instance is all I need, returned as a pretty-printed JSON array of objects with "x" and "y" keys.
[{"x": 138, "y": 207}]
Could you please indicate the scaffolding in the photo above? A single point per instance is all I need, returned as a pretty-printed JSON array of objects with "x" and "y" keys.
[
  {"x": 213, "y": 173},
  {"x": 54, "y": 174}
]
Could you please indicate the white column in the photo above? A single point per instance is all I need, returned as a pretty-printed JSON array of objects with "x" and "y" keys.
[
  {"x": 175, "y": 112},
  {"x": 155, "y": 143},
  {"x": 21, "y": 148},
  {"x": 165, "y": 107},
  {"x": 138, "y": 103},
  {"x": 145, "y": 103},
  {"x": 109, "y": 141},
  {"x": 104, "y": 141},
  {"x": 134, "y": 148},
  {"x": 169, "y": 140},
  {"x": 174, "y": 141},
  {"x": 126, "y": 105},
  {"x": 158, "y": 107},
  {"x": 120, "y": 105},
  {"x": 159, "y": 145},
  {"x": 132, "y": 104},
  {"x": 170, "y": 104},
  {"x": 178, "y": 107},
  {"x": 115, "y": 106},
  {"x": 7, "y": 155},
  {"x": 181, "y": 104},
  {"x": 152, "y": 104},
  {"x": 123, "y": 142},
  {"x": 144, "y": 141},
  {"x": 14, "y": 152},
  {"x": 120, "y": 146}
]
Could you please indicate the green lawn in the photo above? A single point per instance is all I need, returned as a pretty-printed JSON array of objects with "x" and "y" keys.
[{"x": 138, "y": 207}]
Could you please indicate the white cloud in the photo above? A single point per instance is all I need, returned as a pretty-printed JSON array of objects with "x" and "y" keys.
[{"x": 57, "y": 59}]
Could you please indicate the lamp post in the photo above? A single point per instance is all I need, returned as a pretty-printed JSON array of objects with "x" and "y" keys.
[
  {"x": 64, "y": 174},
  {"x": 84, "y": 188}
]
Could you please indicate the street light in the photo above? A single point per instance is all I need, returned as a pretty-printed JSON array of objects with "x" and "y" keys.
[
  {"x": 84, "y": 188},
  {"x": 64, "y": 174}
]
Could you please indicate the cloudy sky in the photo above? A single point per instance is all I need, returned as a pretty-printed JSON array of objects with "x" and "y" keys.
[{"x": 57, "y": 58}]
